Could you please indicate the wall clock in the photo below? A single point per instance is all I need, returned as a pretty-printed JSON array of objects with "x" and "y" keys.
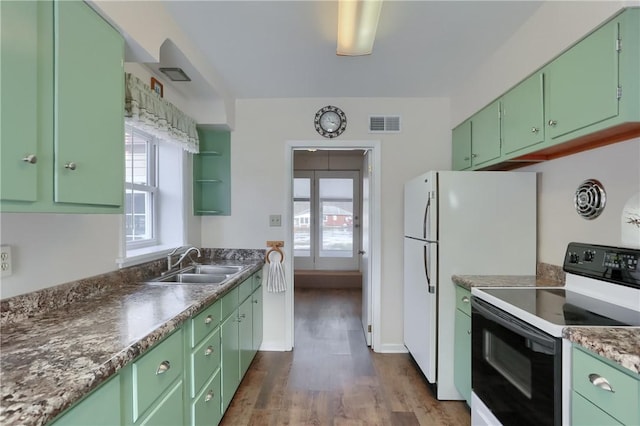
[{"x": 330, "y": 121}]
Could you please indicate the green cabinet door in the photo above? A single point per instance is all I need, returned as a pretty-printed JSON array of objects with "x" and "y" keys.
[
  {"x": 19, "y": 100},
  {"x": 100, "y": 408},
  {"x": 245, "y": 335},
  {"x": 212, "y": 174},
  {"x": 230, "y": 364},
  {"x": 461, "y": 146},
  {"x": 581, "y": 84},
  {"x": 462, "y": 354},
  {"x": 257, "y": 299},
  {"x": 89, "y": 107},
  {"x": 169, "y": 411},
  {"x": 523, "y": 115},
  {"x": 485, "y": 135}
]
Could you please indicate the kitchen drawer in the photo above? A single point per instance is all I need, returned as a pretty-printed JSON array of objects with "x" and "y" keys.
[
  {"x": 206, "y": 321},
  {"x": 207, "y": 408},
  {"x": 463, "y": 300},
  {"x": 622, "y": 404},
  {"x": 205, "y": 360},
  {"x": 245, "y": 289},
  {"x": 584, "y": 413},
  {"x": 149, "y": 382},
  {"x": 229, "y": 303}
]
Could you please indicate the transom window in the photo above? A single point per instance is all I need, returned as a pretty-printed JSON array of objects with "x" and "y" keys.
[{"x": 141, "y": 188}]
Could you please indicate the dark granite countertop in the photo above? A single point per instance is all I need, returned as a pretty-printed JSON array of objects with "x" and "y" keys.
[
  {"x": 468, "y": 281},
  {"x": 52, "y": 359}
]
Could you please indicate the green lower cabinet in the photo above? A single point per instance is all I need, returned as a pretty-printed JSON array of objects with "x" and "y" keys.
[
  {"x": 584, "y": 413},
  {"x": 257, "y": 299},
  {"x": 206, "y": 409},
  {"x": 101, "y": 408},
  {"x": 609, "y": 387},
  {"x": 169, "y": 410},
  {"x": 245, "y": 331},
  {"x": 462, "y": 355},
  {"x": 230, "y": 364}
]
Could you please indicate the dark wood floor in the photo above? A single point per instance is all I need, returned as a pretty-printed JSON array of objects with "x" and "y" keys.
[{"x": 332, "y": 378}]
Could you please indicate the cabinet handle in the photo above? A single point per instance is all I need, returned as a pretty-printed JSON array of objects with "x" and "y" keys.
[
  {"x": 553, "y": 123},
  {"x": 600, "y": 382},
  {"x": 30, "y": 158},
  {"x": 70, "y": 166},
  {"x": 209, "y": 351},
  {"x": 466, "y": 158},
  {"x": 209, "y": 396},
  {"x": 242, "y": 316},
  {"x": 163, "y": 367},
  {"x": 208, "y": 319},
  {"x": 469, "y": 332},
  {"x": 465, "y": 299},
  {"x": 534, "y": 130}
]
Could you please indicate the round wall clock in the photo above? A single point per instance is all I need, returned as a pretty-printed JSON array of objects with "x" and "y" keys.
[{"x": 330, "y": 121}]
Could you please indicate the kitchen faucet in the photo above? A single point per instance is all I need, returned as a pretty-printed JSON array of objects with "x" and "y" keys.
[{"x": 190, "y": 249}]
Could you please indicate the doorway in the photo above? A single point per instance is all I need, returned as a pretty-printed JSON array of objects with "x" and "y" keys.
[{"x": 344, "y": 216}]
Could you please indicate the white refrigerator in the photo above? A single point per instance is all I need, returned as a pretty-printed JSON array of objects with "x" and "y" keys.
[{"x": 459, "y": 223}]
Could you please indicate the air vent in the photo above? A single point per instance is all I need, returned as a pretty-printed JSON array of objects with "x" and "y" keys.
[
  {"x": 384, "y": 124},
  {"x": 590, "y": 199}
]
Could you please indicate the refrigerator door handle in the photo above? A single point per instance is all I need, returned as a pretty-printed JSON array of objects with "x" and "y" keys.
[
  {"x": 425, "y": 219},
  {"x": 432, "y": 289}
]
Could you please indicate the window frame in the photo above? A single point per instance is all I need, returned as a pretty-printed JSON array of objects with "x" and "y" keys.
[{"x": 152, "y": 188}]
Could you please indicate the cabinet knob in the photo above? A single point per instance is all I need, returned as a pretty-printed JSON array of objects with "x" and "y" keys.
[
  {"x": 255, "y": 301},
  {"x": 553, "y": 123},
  {"x": 70, "y": 166},
  {"x": 465, "y": 299},
  {"x": 600, "y": 382},
  {"x": 469, "y": 332},
  {"x": 474, "y": 155},
  {"x": 208, "y": 351},
  {"x": 534, "y": 130},
  {"x": 208, "y": 319},
  {"x": 30, "y": 158},
  {"x": 163, "y": 367},
  {"x": 209, "y": 396}
]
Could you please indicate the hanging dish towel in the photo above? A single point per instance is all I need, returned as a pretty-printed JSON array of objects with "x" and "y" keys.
[{"x": 276, "y": 281}]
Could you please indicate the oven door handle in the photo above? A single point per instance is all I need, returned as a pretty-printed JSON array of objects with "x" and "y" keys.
[{"x": 545, "y": 343}]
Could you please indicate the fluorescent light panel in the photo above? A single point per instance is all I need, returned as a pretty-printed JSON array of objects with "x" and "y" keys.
[{"x": 357, "y": 24}]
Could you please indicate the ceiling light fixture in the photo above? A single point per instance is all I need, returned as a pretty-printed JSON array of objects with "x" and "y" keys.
[
  {"x": 175, "y": 74},
  {"x": 357, "y": 24}
]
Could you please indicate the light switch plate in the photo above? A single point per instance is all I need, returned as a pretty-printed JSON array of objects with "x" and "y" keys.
[{"x": 5, "y": 260}]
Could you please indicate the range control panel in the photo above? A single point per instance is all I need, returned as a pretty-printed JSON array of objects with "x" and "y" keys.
[{"x": 613, "y": 264}]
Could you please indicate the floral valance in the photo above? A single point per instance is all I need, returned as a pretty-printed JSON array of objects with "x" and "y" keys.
[{"x": 147, "y": 111}]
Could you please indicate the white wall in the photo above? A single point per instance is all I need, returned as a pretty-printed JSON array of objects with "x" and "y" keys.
[
  {"x": 259, "y": 184},
  {"x": 554, "y": 27}
]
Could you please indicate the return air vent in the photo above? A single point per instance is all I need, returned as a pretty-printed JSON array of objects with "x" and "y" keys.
[{"x": 384, "y": 124}]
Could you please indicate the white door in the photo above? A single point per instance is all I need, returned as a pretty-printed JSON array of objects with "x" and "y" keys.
[
  {"x": 365, "y": 268},
  {"x": 326, "y": 218}
]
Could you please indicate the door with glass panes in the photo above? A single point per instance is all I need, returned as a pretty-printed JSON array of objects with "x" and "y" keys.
[{"x": 326, "y": 226}]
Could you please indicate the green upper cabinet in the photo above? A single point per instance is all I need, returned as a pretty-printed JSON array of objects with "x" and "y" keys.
[
  {"x": 19, "y": 98},
  {"x": 485, "y": 134},
  {"x": 582, "y": 83},
  {"x": 63, "y": 143},
  {"x": 89, "y": 107},
  {"x": 212, "y": 174},
  {"x": 461, "y": 140},
  {"x": 523, "y": 115}
]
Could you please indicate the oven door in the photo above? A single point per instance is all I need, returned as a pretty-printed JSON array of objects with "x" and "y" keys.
[{"x": 515, "y": 368}]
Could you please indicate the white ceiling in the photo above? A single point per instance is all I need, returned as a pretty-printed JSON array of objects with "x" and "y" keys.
[{"x": 282, "y": 49}]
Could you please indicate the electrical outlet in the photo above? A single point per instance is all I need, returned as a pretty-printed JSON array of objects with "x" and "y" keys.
[
  {"x": 5, "y": 260},
  {"x": 275, "y": 220}
]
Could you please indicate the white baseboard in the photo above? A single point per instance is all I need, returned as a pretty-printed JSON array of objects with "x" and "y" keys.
[
  {"x": 274, "y": 346},
  {"x": 391, "y": 348}
]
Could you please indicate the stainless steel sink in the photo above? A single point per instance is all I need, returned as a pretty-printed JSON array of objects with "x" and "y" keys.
[
  {"x": 215, "y": 269},
  {"x": 189, "y": 278}
]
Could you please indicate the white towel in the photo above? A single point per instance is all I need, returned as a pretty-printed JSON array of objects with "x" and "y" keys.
[{"x": 276, "y": 281}]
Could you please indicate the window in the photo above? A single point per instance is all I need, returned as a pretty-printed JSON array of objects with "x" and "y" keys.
[{"x": 141, "y": 189}]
